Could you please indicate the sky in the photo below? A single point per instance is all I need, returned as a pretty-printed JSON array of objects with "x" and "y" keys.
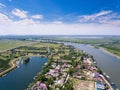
[{"x": 59, "y": 17}]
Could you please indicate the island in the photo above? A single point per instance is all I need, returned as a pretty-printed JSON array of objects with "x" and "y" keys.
[{"x": 26, "y": 60}]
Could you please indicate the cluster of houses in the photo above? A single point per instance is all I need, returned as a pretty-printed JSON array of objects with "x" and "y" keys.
[
  {"x": 58, "y": 72},
  {"x": 87, "y": 70},
  {"x": 92, "y": 73}
]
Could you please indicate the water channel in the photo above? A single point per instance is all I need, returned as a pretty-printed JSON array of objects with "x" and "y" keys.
[{"x": 21, "y": 77}]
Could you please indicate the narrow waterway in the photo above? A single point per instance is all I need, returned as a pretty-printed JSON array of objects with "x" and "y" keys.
[
  {"x": 21, "y": 77},
  {"x": 108, "y": 63}
]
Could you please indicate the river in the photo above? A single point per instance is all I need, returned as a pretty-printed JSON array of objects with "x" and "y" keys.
[
  {"x": 21, "y": 77},
  {"x": 109, "y": 64}
]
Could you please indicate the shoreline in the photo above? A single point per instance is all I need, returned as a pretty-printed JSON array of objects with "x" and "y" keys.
[
  {"x": 104, "y": 50},
  {"x": 13, "y": 65}
]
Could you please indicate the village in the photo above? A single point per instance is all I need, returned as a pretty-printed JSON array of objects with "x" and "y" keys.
[{"x": 69, "y": 69}]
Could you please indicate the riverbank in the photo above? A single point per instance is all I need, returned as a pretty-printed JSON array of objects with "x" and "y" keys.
[
  {"x": 106, "y": 51},
  {"x": 13, "y": 64}
]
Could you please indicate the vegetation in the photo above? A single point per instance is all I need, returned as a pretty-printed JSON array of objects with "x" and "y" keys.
[
  {"x": 9, "y": 44},
  {"x": 17, "y": 48},
  {"x": 26, "y": 60},
  {"x": 113, "y": 47},
  {"x": 68, "y": 85},
  {"x": 85, "y": 40}
]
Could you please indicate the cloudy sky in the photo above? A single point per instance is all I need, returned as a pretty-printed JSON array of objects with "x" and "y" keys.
[{"x": 59, "y": 17}]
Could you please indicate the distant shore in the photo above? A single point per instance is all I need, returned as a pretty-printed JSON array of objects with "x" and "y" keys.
[{"x": 104, "y": 50}]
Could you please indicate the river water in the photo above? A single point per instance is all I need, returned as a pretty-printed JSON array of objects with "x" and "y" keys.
[
  {"x": 108, "y": 64},
  {"x": 21, "y": 77}
]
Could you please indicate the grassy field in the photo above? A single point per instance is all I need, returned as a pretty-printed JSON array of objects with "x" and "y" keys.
[
  {"x": 85, "y": 40},
  {"x": 8, "y": 44},
  {"x": 39, "y": 45},
  {"x": 113, "y": 48}
]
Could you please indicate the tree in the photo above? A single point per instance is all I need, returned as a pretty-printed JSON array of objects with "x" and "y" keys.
[
  {"x": 71, "y": 70},
  {"x": 51, "y": 80},
  {"x": 41, "y": 78},
  {"x": 68, "y": 85}
]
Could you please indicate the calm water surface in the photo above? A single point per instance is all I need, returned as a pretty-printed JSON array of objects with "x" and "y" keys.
[
  {"x": 108, "y": 63},
  {"x": 20, "y": 78}
]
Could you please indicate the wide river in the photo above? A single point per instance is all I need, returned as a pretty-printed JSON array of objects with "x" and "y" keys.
[
  {"x": 108, "y": 63},
  {"x": 21, "y": 77}
]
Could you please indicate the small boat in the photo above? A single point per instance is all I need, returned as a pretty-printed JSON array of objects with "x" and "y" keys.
[
  {"x": 107, "y": 76},
  {"x": 35, "y": 77}
]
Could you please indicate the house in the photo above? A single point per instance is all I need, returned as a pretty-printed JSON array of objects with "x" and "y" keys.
[
  {"x": 86, "y": 64},
  {"x": 93, "y": 68},
  {"x": 96, "y": 75},
  {"x": 100, "y": 86},
  {"x": 53, "y": 65},
  {"x": 51, "y": 72},
  {"x": 77, "y": 75},
  {"x": 63, "y": 61},
  {"x": 65, "y": 65},
  {"x": 60, "y": 82},
  {"x": 41, "y": 86},
  {"x": 78, "y": 67}
]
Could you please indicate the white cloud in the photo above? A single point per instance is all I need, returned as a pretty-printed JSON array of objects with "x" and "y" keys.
[
  {"x": 37, "y": 16},
  {"x": 102, "y": 13},
  {"x": 20, "y": 13},
  {"x": 29, "y": 26},
  {"x": 2, "y": 5},
  {"x": 98, "y": 17},
  {"x": 57, "y": 22},
  {"x": 4, "y": 18},
  {"x": 63, "y": 29}
]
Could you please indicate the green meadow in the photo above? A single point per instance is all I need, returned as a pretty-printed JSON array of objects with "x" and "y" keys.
[{"x": 9, "y": 44}]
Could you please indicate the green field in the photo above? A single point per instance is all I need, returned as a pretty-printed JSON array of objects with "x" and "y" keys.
[
  {"x": 84, "y": 40},
  {"x": 39, "y": 45},
  {"x": 113, "y": 48},
  {"x": 9, "y": 44}
]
